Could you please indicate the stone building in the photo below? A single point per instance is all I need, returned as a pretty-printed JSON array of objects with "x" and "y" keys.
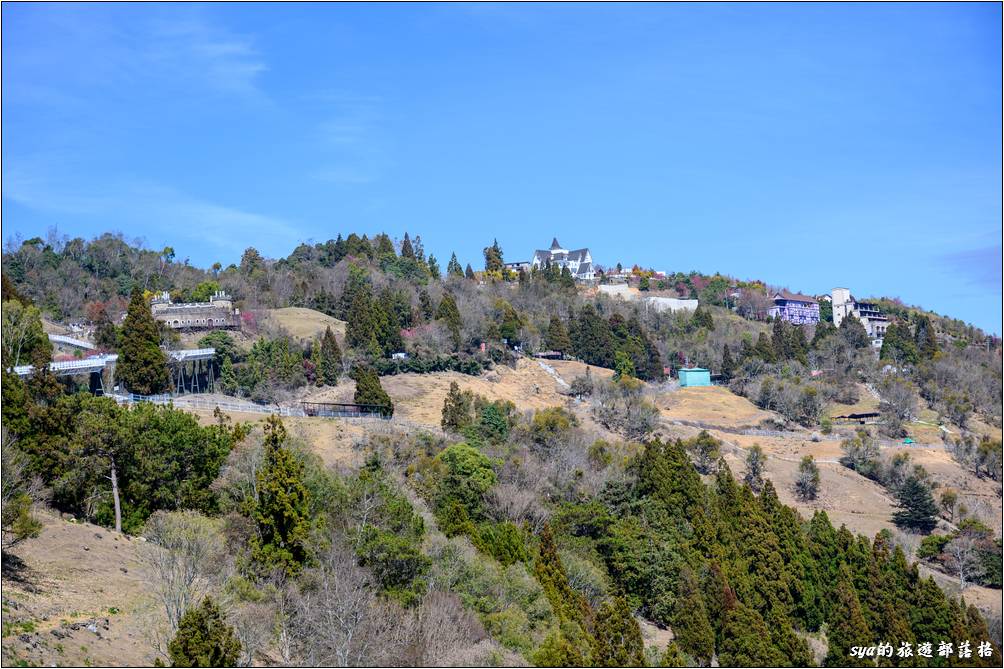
[{"x": 217, "y": 313}]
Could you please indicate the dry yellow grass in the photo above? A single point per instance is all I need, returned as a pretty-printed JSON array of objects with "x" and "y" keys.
[
  {"x": 305, "y": 324},
  {"x": 710, "y": 404},
  {"x": 77, "y": 572},
  {"x": 419, "y": 397}
]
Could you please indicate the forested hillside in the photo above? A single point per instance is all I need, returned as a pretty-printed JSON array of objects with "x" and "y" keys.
[{"x": 510, "y": 534}]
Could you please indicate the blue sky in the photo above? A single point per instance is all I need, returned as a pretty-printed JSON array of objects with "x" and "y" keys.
[{"x": 807, "y": 145}]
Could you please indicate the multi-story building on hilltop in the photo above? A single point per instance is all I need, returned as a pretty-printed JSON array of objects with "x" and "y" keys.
[
  {"x": 845, "y": 306},
  {"x": 218, "y": 312},
  {"x": 794, "y": 308},
  {"x": 579, "y": 262}
]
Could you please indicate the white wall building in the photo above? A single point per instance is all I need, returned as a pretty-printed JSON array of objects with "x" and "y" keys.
[
  {"x": 579, "y": 262},
  {"x": 844, "y": 306}
]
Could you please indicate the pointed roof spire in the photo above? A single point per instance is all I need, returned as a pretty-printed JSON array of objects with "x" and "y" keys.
[{"x": 555, "y": 244}]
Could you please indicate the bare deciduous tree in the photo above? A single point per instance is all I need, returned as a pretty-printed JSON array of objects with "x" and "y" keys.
[{"x": 186, "y": 553}]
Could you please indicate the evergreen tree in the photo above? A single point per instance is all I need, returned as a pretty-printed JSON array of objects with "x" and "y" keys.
[
  {"x": 823, "y": 330},
  {"x": 925, "y": 338},
  {"x": 568, "y": 605},
  {"x": 434, "y": 268},
  {"x": 385, "y": 247},
  {"x": 807, "y": 481},
  {"x": 592, "y": 340},
  {"x": 566, "y": 280},
  {"x": 728, "y": 367},
  {"x": 557, "y": 336},
  {"x": 407, "y": 251},
  {"x": 453, "y": 268},
  {"x": 854, "y": 333},
  {"x": 847, "y": 626},
  {"x": 764, "y": 349},
  {"x": 142, "y": 365},
  {"x": 918, "y": 510},
  {"x": 672, "y": 656},
  {"x": 746, "y": 640},
  {"x": 898, "y": 345},
  {"x": 228, "y": 377},
  {"x": 330, "y": 358},
  {"x": 450, "y": 315},
  {"x": 702, "y": 318},
  {"x": 756, "y": 461},
  {"x": 204, "y": 639},
  {"x": 617, "y": 638},
  {"x": 283, "y": 505},
  {"x": 362, "y": 327},
  {"x": 425, "y": 306},
  {"x": 493, "y": 257},
  {"x": 369, "y": 390},
  {"x": 469, "y": 273},
  {"x": 691, "y": 627},
  {"x": 456, "y": 409}
]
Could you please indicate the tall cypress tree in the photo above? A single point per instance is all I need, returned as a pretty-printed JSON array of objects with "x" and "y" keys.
[
  {"x": 362, "y": 327},
  {"x": 557, "y": 336},
  {"x": 453, "y": 267},
  {"x": 728, "y": 367},
  {"x": 331, "y": 358},
  {"x": 407, "y": 250},
  {"x": 469, "y": 272},
  {"x": 691, "y": 627},
  {"x": 369, "y": 390},
  {"x": 283, "y": 504},
  {"x": 617, "y": 638},
  {"x": 847, "y": 626},
  {"x": 450, "y": 316},
  {"x": 142, "y": 365}
]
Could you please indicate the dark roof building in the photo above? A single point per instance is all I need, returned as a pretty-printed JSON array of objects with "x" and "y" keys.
[{"x": 579, "y": 262}]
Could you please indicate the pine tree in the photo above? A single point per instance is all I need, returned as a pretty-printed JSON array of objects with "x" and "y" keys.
[
  {"x": 847, "y": 626},
  {"x": 557, "y": 336},
  {"x": 728, "y": 368},
  {"x": 453, "y": 268},
  {"x": 898, "y": 345},
  {"x": 407, "y": 251},
  {"x": 691, "y": 626},
  {"x": 425, "y": 306},
  {"x": 434, "y": 268},
  {"x": 469, "y": 273},
  {"x": 764, "y": 349},
  {"x": 330, "y": 359},
  {"x": 283, "y": 505},
  {"x": 456, "y": 409},
  {"x": 204, "y": 639},
  {"x": 362, "y": 328},
  {"x": 493, "y": 257},
  {"x": 142, "y": 365},
  {"x": 568, "y": 605},
  {"x": 672, "y": 656},
  {"x": 617, "y": 638},
  {"x": 702, "y": 318},
  {"x": 228, "y": 377},
  {"x": 925, "y": 338},
  {"x": 384, "y": 246},
  {"x": 369, "y": 391},
  {"x": 746, "y": 640},
  {"x": 450, "y": 315},
  {"x": 918, "y": 509}
]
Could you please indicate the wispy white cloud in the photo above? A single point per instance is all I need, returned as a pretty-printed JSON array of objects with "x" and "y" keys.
[
  {"x": 146, "y": 209},
  {"x": 352, "y": 144}
]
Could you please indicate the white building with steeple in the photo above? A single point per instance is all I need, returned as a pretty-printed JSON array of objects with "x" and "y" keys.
[{"x": 578, "y": 262}]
